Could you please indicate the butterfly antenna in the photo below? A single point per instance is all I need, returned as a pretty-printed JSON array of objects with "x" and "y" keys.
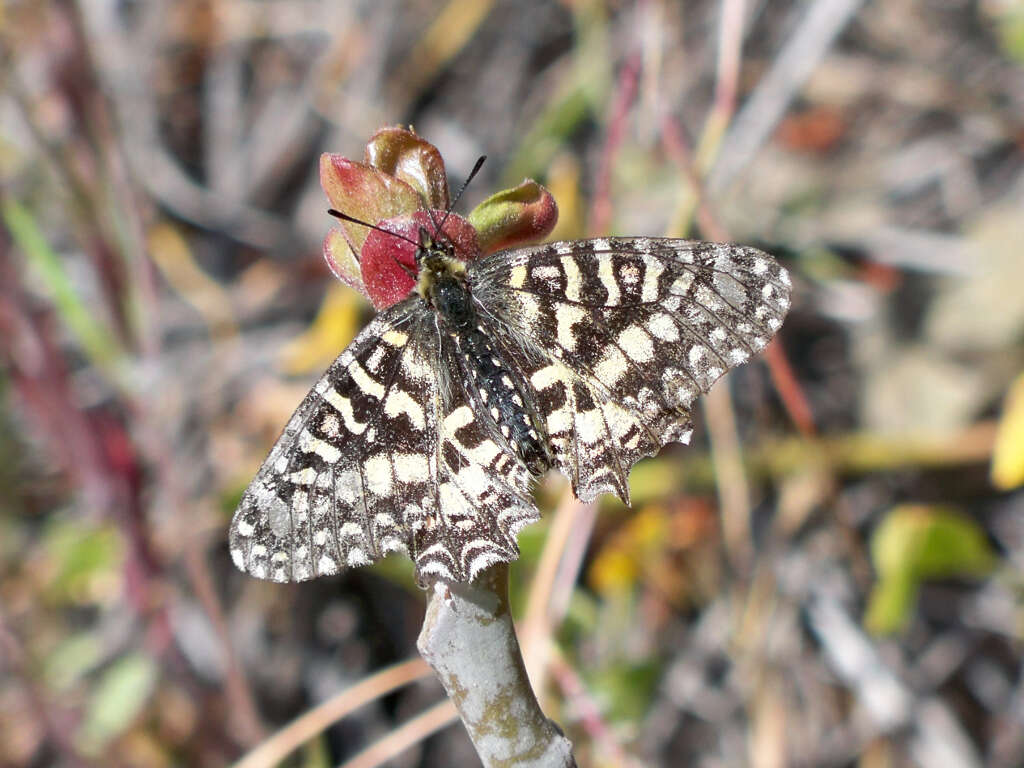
[
  {"x": 476, "y": 169},
  {"x": 430, "y": 212},
  {"x": 345, "y": 217}
]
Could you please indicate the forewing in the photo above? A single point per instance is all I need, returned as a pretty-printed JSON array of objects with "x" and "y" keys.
[
  {"x": 383, "y": 455},
  {"x": 618, "y": 336}
]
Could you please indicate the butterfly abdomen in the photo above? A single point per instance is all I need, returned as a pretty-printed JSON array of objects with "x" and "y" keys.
[
  {"x": 505, "y": 403},
  {"x": 502, "y": 391}
]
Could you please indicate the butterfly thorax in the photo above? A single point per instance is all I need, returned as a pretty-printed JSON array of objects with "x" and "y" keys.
[{"x": 444, "y": 286}]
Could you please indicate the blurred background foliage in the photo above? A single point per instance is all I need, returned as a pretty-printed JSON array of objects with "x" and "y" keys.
[{"x": 831, "y": 575}]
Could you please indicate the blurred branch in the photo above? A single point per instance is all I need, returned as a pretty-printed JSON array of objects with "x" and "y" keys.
[
  {"x": 98, "y": 342},
  {"x": 572, "y": 521},
  {"x": 448, "y": 33},
  {"x": 776, "y": 90},
  {"x": 789, "y": 389},
  {"x": 244, "y": 715},
  {"x": 316, "y": 720},
  {"x": 152, "y": 165},
  {"x": 730, "y": 476},
  {"x": 55, "y": 723},
  {"x": 937, "y": 738},
  {"x": 855, "y": 453},
  {"x": 590, "y": 715},
  {"x": 730, "y": 42},
  {"x": 126, "y": 269},
  {"x": 405, "y": 736},
  {"x": 625, "y": 93}
]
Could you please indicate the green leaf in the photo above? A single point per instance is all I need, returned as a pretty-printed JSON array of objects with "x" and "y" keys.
[
  {"x": 1010, "y": 20},
  {"x": 914, "y": 543},
  {"x": 316, "y": 754},
  {"x": 82, "y": 552},
  {"x": 99, "y": 344},
  {"x": 625, "y": 689},
  {"x": 70, "y": 660},
  {"x": 516, "y": 216},
  {"x": 118, "y": 699},
  {"x": 891, "y": 603}
]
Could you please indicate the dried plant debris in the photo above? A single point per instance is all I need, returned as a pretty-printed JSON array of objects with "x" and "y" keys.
[{"x": 163, "y": 309}]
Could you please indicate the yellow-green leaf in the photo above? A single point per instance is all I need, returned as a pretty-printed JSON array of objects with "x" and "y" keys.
[
  {"x": 1008, "y": 452},
  {"x": 173, "y": 256},
  {"x": 334, "y": 327},
  {"x": 117, "y": 700},
  {"x": 523, "y": 214},
  {"x": 96, "y": 339},
  {"x": 915, "y": 543}
]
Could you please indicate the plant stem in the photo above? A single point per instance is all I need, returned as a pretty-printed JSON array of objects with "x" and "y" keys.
[{"x": 469, "y": 641}]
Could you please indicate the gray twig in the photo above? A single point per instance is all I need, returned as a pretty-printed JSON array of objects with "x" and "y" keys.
[
  {"x": 469, "y": 641},
  {"x": 773, "y": 94}
]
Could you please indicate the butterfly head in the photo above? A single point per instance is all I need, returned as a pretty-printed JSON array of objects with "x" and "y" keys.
[{"x": 442, "y": 275}]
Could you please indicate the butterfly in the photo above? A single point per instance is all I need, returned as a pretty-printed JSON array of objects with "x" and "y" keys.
[{"x": 426, "y": 434}]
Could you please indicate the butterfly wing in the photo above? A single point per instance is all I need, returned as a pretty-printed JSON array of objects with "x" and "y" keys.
[
  {"x": 384, "y": 455},
  {"x": 618, "y": 336}
]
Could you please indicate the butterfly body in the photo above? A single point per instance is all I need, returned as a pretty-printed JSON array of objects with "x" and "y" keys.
[{"x": 427, "y": 432}]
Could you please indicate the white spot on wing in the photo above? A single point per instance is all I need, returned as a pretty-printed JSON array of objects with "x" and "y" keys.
[
  {"x": 481, "y": 561},
  {"x": 649, "y": 292},
  {"x": 637, "y": 344},
  {"x": 357, "y": 557},
  {"x": 399, "y": 402},
  {"x": 343, "y": 405},
  {"x": 305, "y": 476},
  {"x": 377, "y": 470},
  {"x": 365, "y": 382},
  {"x": 566, "y": 316},
  {"x": 545, "y": 377},
  {"x": 309, "y": 443},
  {"x": 518, "y": 276},
  {"x": 411, "y": 468},
  {"x": 546, "y": 272},
  {"x": 682, "y": 284},
  {"x": 663, "y": 327},
  {"x": 629, "y": 273},
  {"x": 612, "y": 366},
  {"x": 697, "y": 354},
  {"x": 590, "y": 426},
  {"x": 738, "y": 356},
  {"x": 572, "y": 277},
  {"x": 607, "y": 277},
  {"x": 330, "y": 426},
  {"x": 460, "y": 417},
  {"x": 529, "y": 306},
  {"x": 395, "y": 338}
]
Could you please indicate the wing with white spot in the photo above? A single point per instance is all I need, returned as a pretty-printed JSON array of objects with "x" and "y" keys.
[
  {"x": 618, "y": 336},
  {"x": 384, "y": 455}
]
